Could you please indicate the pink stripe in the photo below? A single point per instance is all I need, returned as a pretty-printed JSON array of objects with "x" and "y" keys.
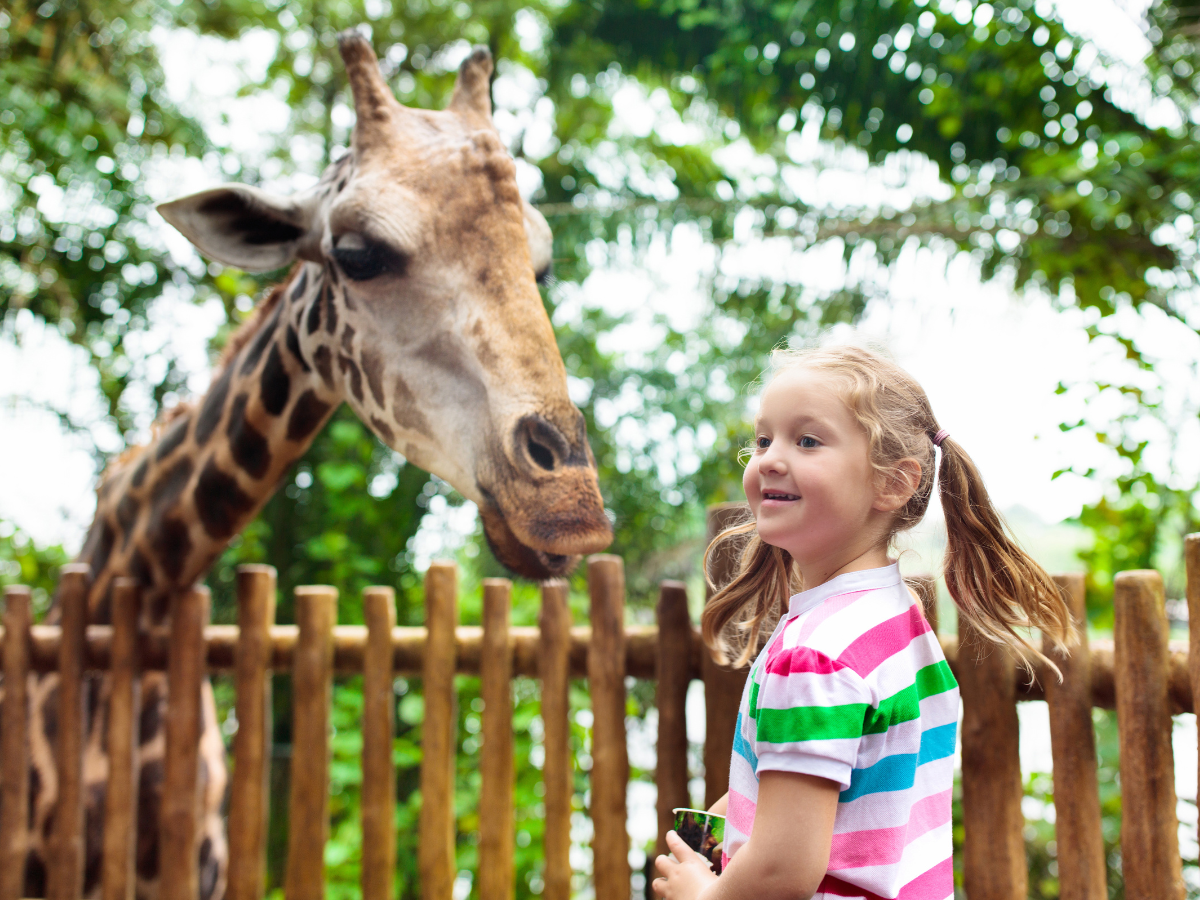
[
  {"x": 884, "y": 846},
  {"x": 740, "y": 813},
  {"x": 935, "y": 884},
  {"x": 884, "y": 640},
  {"x": 814, "y": 618},
  {"x": 802, "y": 659}
]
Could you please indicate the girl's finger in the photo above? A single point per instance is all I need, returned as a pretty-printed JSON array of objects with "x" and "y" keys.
[
  {"x": 664, "y": 863},
  {"x": 677, "y": 845}
]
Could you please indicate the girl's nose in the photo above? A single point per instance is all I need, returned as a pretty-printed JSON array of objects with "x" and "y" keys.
[{"x": 772, "y": 461}]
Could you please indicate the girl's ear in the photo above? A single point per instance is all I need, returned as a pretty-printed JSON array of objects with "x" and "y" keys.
[{"x": 897, "y": 486}]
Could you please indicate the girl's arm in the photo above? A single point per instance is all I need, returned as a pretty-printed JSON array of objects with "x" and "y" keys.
[
  {"x": 785, "y": 858},
  {"x": 718, "y": 808}
]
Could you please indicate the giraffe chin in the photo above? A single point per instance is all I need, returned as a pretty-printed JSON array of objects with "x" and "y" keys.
[{"x": 519, "y": 558}]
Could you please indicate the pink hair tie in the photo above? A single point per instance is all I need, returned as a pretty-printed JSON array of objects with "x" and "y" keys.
[{"x": 939, "y": 437}]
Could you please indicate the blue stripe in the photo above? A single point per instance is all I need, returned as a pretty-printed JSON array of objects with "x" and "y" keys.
[
  {"x": 892, "y": 773},
  {"x": 937, "y": 743},
  {"x": 899, "y": 771},
  {"x": 742, "y": 747}
]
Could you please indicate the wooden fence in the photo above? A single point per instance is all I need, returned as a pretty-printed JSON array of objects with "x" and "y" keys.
[{"x": 1138, "y": 672}]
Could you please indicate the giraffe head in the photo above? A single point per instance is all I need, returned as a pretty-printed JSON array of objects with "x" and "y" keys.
[{"x": 417, "y": 304}]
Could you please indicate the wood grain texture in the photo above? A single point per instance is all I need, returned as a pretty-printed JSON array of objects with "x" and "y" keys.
[
  {"x": 675, "y": 637},
  {"x": 1149, "y": 827},
  {"x": 312, "y": 696},
  {"x": 435, "y": 846},
  {"x": 554, "y": 624},
  {"x": 925, "y": 587},
  {"x": 179, "y": 823},
  {"x": 249, "y": 787},
  {"x": 1080, "y": 842},
  {"x": 497, "y": 817},
  {"x": 14, "y": 743},
  {"x": 722, "y": 685},
  {"x": 994, "y": 865},
  {"x": 120, "y": 810},
  {"x": 65, "y": 869},
  {"x": 378, "y": 728},
  {"x": 610, "y": 762}
]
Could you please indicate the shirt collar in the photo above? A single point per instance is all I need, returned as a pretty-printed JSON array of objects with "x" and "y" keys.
[{"x": 846, "y": 583}]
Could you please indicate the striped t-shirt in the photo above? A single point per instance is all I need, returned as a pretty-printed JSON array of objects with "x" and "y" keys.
[{"x": 853, "y": 687}]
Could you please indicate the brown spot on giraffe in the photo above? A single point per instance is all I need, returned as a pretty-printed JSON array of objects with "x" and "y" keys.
[
  {"x": 323, "y": 358},
  {"x": 307, "y": 416},
  {"x": 247, "y": 444},
  {"x": 220, "y": 502}
]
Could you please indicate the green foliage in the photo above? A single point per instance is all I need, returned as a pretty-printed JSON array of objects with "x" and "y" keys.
[{"x": 23, "y": 562}]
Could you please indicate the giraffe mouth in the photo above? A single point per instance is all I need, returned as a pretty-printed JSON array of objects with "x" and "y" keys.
[{"x": 521, "y": 559}]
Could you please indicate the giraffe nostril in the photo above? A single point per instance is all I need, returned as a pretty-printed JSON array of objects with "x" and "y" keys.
[
  {"x": 540, "y": 454},
  {"x": 540, "y": 445}
]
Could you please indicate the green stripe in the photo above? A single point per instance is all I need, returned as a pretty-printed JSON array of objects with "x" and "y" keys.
[
  {"x": 905, "y": 704},
  {"x": 935, "y": 679},
  {"x": 814, "y": 723},
  {"x": 810, "y": 723}
]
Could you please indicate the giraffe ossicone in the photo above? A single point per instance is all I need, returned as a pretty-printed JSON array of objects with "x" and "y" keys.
[{"x": 413, "y": 298}]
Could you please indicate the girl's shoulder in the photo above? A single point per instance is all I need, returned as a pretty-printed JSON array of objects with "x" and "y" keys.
[{"x": 857, "y": 628}]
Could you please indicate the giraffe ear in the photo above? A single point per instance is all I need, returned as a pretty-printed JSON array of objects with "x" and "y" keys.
[
  {"x": 241, "y": 226},
  {"x": 541, "y": 240}
]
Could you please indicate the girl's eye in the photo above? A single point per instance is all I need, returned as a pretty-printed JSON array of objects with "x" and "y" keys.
[
  {"x": 762, "y": 443},
  {"x": 808, "y": 442}
]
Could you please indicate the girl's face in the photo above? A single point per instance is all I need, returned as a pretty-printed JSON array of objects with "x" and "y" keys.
[{"x": 809, "y": 481}]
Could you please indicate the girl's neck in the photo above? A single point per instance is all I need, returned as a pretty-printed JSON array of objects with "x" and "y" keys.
[{"x": 814, "y": 573}]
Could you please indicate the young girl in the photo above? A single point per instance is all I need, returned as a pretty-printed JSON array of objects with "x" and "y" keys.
[{"x": 843, "y": 759}]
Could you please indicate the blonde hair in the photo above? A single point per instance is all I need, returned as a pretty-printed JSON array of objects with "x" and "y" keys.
[{"x": 998, "y": 588}]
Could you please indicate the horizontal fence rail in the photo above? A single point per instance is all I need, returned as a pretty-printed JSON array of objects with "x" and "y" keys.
[
  {"x": 641, "y": 647},
  {"x": 1139, "y": 672}
]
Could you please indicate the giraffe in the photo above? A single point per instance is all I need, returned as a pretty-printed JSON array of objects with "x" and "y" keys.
[{"x": 411, "y": 297}]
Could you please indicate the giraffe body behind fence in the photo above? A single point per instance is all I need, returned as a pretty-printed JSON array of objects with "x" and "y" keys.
[{"x": 412, "y": 298}]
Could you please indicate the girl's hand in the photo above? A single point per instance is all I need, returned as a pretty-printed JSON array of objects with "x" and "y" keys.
[{"x": 683, "y": 880}]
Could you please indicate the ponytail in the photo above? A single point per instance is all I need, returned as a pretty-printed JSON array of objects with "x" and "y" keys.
[
  {"x": 734, "y": 619},
  {"x": 998, "y": 588}
]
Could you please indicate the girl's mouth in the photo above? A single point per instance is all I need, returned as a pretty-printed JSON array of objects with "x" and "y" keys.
[{"x": 779, "y": 496}]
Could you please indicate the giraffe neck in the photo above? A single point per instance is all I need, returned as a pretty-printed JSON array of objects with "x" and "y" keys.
[{"x": 164, "y": 515}]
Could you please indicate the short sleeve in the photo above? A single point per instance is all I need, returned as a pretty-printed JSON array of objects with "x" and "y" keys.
[{"x": 809, "y": 712}]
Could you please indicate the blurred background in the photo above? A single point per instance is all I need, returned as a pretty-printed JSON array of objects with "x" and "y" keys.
[{"x": 1002, "y": 194}]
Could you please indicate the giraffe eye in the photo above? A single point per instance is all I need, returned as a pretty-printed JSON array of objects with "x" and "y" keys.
[{"x": 363, "y": 259}]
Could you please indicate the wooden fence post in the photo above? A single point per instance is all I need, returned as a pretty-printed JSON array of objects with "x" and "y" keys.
[
  {"x": 610, "y": 761},
  {"x": 378, "y": 728},
  {"x": 722, "y": 686},
  {"x": 435, "y": 845},
  {"x": 670, "y": 696},
  {"x": 994, "y": 865},
  {"x": 497, "y": 819},
  {"x": 1081, "y": 869},
  {"x": 14, "y": 743},
  {"x": 180, "y": 810},
  {"x": 1149, "y": 827},
  {"x": 65, "y": 875},
  {"x": 120, "y": 810},
  {"x": 1191, "y": 557},
  {"x": 312, "y": 697},
  {"x": 554, "y": 666},
  {"x": 249, "y": 794}
]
